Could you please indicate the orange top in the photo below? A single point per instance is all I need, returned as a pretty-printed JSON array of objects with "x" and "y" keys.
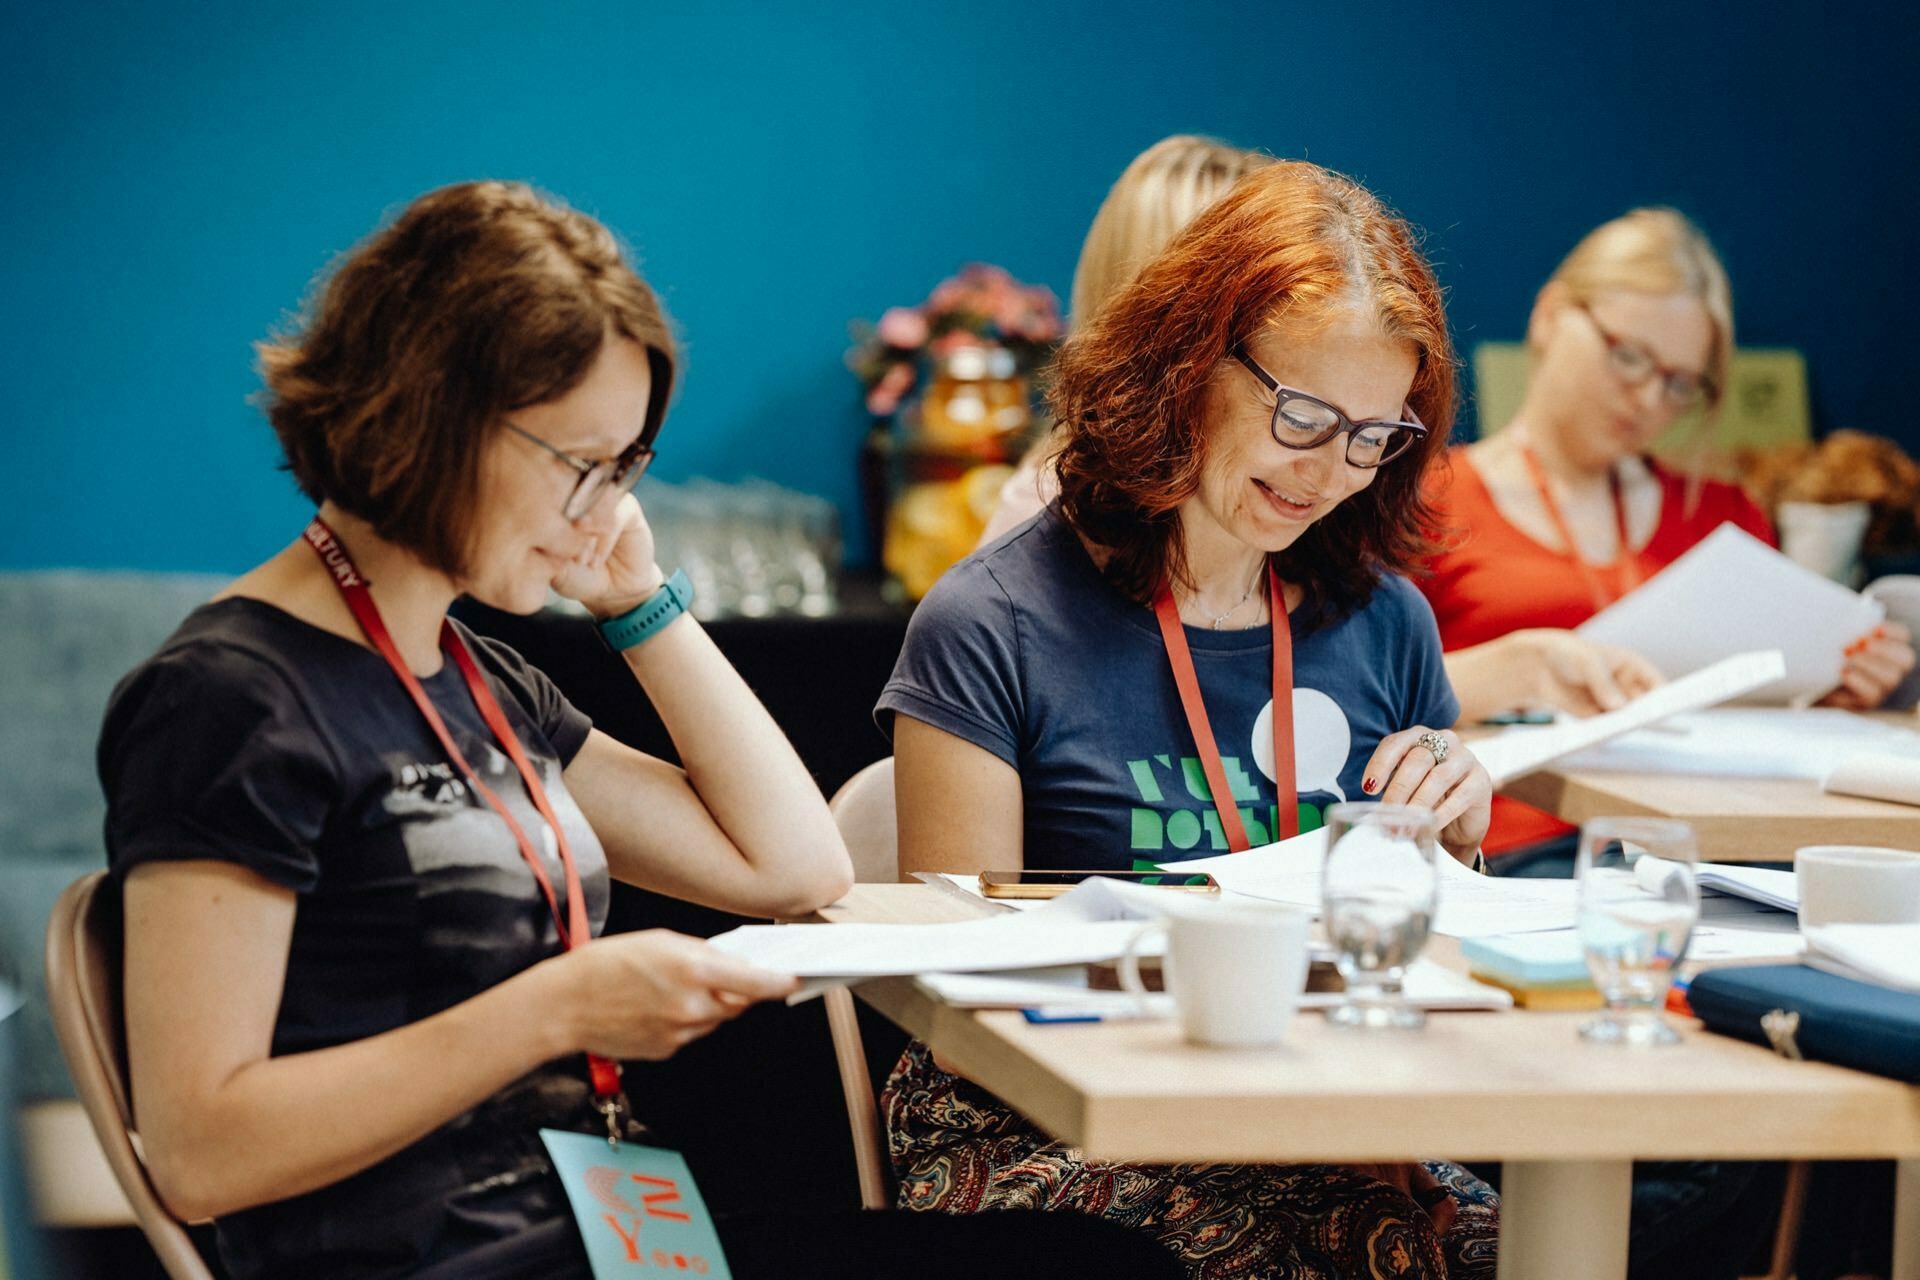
[{"x": 1491, "y": 579}]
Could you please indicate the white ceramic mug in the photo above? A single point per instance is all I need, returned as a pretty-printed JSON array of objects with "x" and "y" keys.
[
  {"x": 1235, "y": 973},
  {"x": 1856, "y": 884},
  {"x": 1825, "y": 536}
]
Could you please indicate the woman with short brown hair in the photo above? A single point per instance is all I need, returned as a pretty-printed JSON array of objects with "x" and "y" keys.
[{"x": 363, "y": 969}]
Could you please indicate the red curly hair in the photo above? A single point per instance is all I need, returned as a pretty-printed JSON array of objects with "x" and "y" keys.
[{"x": 1290, "y": 242}]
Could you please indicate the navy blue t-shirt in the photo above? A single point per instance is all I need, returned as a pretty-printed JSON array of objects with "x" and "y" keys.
[{"x": 1026, "y": 650}]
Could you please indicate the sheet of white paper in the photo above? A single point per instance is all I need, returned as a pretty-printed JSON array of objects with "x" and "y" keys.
[
  {"x": 1888, "y": 954},
  {"x": 1727, "y": 592},
  {"x": 1720, "y": 944},
  {"x": 1519, "y": 751},
  {"x": 1064, "y": 991},
  {"x": 1470, "y": 905},
  {"x": 1094, "y": 921},
  {"x": 1751, "y": 742}
]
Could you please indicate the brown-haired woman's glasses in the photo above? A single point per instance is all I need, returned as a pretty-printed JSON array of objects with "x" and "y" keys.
[
  {"x": 1633, "y": 364},
  {"x": 1301, "y": 421},
  {"x": 598, "y": 477}
]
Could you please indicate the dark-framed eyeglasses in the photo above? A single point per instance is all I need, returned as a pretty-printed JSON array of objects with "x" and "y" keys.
[
  {"x": 598, "y": 476},
  {"x": 1633, "y": 364},
  {"x": 1301, "y": 421}
]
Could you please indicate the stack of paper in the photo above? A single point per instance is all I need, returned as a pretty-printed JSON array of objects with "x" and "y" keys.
[{"x": 1726, "y": 592}]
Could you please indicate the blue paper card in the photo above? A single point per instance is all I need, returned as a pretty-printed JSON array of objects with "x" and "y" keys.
[{"x": 637, "y": 1208}]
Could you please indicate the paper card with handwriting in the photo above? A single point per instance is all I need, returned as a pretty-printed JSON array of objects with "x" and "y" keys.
[{"x": 637, "y": 1208}]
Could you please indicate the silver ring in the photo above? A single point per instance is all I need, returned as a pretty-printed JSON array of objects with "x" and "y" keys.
[{"x": 1436, "y": 744}]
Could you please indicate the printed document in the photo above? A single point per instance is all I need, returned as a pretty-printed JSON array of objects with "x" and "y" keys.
[
  {"x": 1470, "y": 905},
  {"x": 1729, "y": 593},
  {"x": 1520, "y": 751}
]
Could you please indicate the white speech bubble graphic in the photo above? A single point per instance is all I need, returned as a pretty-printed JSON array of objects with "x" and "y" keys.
[{"x": 1321, "y": 740}]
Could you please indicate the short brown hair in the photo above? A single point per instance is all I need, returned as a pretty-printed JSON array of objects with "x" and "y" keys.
[
  {"x": 480, "y": 299},
  {"x": 1290, "y": 241}
]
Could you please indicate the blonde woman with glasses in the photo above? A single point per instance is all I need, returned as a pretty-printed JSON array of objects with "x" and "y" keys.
[{"x": 1561, "y": 513}]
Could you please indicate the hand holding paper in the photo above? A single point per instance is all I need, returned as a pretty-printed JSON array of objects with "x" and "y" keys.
[{"x": 1729, "y": 592}]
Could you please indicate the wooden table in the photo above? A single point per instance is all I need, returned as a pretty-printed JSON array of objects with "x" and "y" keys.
[
  {"x": 1745, "y": 819},
  {"x": 1735, "y": 819},
  {"x": 1567, "y": 1118}
]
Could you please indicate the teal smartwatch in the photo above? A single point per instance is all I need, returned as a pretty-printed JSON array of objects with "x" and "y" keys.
[{"x": 645, "y": 619}]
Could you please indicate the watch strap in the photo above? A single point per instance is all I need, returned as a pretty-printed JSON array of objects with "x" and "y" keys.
[{"x": 650, "y": 616}]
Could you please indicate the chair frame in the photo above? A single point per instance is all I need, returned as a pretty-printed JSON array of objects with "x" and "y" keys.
[
  {"x": 84, "y": 993},
  {"x": 866, "y": 1126}
]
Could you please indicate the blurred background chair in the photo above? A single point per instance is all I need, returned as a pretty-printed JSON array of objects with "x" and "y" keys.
[{"x": 863, "y": 809}]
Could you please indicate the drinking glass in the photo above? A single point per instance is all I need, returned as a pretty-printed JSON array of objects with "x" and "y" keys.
[
  {"x": 1638, "y": 900},
  {"x": 1378, "y": 890}
]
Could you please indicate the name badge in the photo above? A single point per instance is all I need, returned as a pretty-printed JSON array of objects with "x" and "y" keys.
[{"x": 637, "y": 1208}]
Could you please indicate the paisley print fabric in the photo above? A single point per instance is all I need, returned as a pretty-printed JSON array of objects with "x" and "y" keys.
[{"x": 957, "y": 1149}]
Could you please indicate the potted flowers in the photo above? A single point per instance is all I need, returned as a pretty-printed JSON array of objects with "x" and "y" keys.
[{"x": 934, "y": 463}]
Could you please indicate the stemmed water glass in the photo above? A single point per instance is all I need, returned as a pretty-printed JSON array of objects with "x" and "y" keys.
[
  {"x": 1378, "y": 890},
  {"x": 1638, "y": 900}
]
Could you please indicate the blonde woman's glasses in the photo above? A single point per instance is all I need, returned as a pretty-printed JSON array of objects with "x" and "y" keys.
[{"x": 1633, "y": 364}]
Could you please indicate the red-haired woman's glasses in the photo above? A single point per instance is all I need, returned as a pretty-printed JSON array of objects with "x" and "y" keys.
[
  {"x": 1301, "y": 421},
  {"x": 598, "y": 476},
  {"x": 1633, "y": 364}
]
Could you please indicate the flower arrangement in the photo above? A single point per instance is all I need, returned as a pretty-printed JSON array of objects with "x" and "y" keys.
[{"x": 981, "y": 306}]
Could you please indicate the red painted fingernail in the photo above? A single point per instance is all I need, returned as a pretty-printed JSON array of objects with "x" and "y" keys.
[
  {"x": 1879, "y": 633},
  {"x": 1367, "y": 786}
]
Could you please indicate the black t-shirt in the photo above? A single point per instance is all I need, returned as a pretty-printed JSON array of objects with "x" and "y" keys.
[{"x": 258, "y": 739}]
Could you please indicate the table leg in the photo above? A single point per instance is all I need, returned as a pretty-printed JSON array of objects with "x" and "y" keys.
[
  {"x": 1906, "y": 1221},
  {"x": 1565, "y": 1219}
]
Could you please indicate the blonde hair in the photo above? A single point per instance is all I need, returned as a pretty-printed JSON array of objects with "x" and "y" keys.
[
  {"x": 1657, "y": 250},
  {"x": 1164, "y": 189}
]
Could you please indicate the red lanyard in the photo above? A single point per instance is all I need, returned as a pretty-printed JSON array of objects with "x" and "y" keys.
[
  {"x": 1623, "y": 561},
  {"x": 574, "y": 929},
  {"x": 1180, "y": 658}
]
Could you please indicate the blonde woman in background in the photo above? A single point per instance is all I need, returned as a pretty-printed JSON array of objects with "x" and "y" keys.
[
  {"x": 1565, "y": 511},
  {"x": 1558, "y": 515},
  {"x": 1164, "y": 189}
]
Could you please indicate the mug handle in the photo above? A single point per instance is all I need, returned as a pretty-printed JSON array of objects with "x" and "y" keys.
[{"x": 1129, "y": 966}]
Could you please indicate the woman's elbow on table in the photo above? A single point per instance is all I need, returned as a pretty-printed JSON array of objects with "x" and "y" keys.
[{"x": 823, "y": 874}]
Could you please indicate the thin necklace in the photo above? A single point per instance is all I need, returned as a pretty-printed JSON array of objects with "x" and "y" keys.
[{"x": 1215, "y": 624}]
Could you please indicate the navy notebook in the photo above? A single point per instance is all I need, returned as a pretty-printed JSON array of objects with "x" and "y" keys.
[{"x": 1822, "y": 1016}]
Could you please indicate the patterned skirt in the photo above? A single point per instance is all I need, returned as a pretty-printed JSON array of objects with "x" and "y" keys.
[{"x": 958, "y": 1149}]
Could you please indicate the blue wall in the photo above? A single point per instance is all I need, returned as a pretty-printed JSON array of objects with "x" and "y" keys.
[{"x": 175, "y": 179}]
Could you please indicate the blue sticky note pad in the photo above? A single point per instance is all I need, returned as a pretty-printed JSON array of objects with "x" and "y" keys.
[
  {"x": 1532, "y": 959},
  {"x": 637, "y": 1208}
]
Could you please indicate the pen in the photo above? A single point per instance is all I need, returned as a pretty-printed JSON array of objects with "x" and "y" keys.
[{"x": 1053, "y": 1015}]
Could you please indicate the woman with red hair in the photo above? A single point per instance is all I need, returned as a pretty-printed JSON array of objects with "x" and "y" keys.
[{"x": 1248, "y": 425}]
